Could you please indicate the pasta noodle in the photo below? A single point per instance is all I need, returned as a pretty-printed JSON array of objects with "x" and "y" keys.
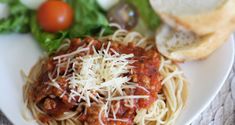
[{"x": 164, "y": 110}]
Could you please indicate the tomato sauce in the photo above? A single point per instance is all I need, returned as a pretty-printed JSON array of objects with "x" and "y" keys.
[{"x": 145, "y": 74}]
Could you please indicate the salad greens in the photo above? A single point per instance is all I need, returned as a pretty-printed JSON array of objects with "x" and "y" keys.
[
  {"x": 88, "y": 20},
  {"x": 18, "y": 19},
  {"x": 93, "y": 19},
  {"x": 92, "y": 22},
  {"x": 147, "y": 14},
  {"x": 48, "y": 41}
]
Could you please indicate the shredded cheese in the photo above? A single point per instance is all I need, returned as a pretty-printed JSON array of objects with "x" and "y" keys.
[{"x": 101, "y": 71}]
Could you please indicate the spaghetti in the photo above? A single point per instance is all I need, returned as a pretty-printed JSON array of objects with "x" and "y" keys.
[{"x": 115, "y": 81}]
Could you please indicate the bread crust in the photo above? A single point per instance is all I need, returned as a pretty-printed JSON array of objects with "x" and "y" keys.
[{"x": 201, "y": 48}]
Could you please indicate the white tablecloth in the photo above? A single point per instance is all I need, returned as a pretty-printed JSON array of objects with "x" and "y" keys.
[{"x": 222, "y": 109}]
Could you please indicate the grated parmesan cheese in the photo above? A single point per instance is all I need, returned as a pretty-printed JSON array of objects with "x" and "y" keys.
[{"x": 101, "y": 72}]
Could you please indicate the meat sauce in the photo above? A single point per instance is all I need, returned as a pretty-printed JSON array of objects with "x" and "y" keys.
[{"x": 145, "y": 74}]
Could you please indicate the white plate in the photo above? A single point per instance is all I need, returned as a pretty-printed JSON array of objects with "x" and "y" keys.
[{"x": 20, "y": 52}]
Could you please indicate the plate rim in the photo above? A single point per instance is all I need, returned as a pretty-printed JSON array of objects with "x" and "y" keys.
[
  {"x": 11, "y": 120},
  {"x": 220, "y": 86}
]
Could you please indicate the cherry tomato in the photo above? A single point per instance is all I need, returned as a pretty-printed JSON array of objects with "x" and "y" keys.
[{"x": 54, "y": 15}]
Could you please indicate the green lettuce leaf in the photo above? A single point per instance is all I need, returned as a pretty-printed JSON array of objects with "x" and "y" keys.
[
  {"x": 18, "y": 19},
  {"x": 48, "y": 41},
  {"x": 88, "y": 19},
  {"x": 147, "y": 14}
]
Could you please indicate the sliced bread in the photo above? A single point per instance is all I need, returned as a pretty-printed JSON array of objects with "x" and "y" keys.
[
  {"x": 187, "y": 46},
  {"x": 199, "y": 16}
]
